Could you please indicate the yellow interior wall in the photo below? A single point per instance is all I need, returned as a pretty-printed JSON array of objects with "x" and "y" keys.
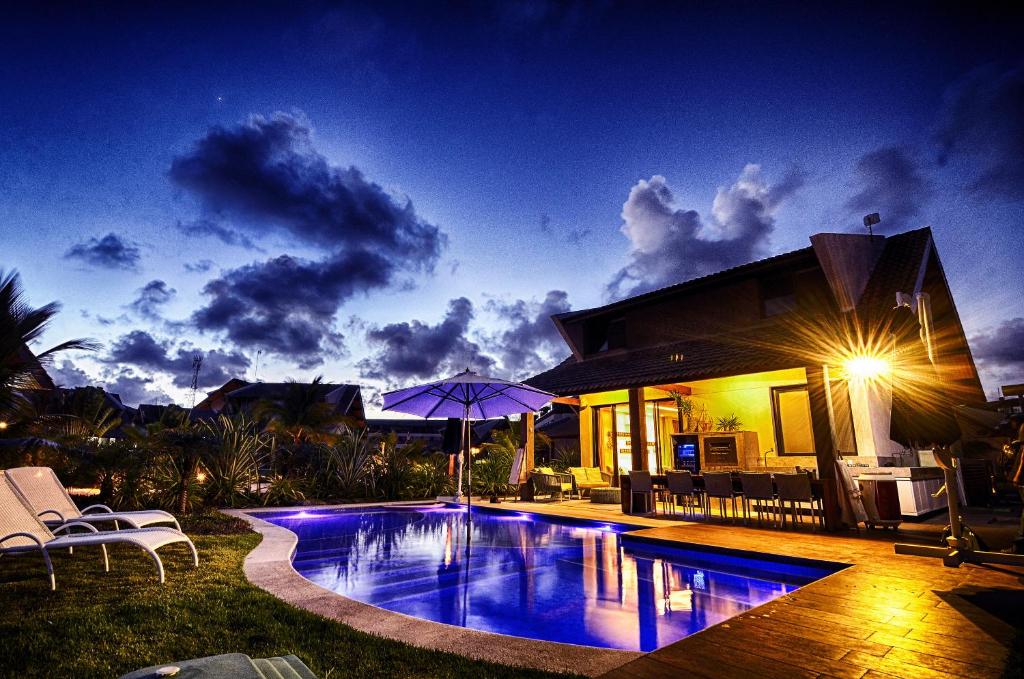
[{"x": 749, "y": 396}]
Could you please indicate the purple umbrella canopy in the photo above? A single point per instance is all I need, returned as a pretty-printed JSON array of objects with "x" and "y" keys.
[{"x": 467, "y": 394}]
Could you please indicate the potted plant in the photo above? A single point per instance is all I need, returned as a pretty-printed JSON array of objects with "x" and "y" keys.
[
  {"x": 684, "y": 410},
  {"x": 730, "y": 423}
]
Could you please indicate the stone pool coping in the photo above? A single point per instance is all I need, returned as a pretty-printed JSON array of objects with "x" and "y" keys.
[{"x": 269, "y": 567}]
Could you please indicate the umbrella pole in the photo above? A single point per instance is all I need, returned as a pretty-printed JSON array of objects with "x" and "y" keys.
[
  {"x": 458, "y": 483},
  {"x": 469, "y": 469}
]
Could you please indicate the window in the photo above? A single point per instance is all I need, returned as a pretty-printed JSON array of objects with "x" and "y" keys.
[
  {"x": 791, "y": 410},
  {"x": 777, "y": 295},
  {"x": 604, "y": 335}
]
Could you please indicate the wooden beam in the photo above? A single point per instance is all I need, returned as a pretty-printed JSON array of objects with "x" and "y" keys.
[
  {"x": 567, "y": 400},
  {"x": 677, "y": 388},
  {"x": 824, "y": 450},
  {"x": 526, "y": 435},
  {"x": 637, "y": 437}
]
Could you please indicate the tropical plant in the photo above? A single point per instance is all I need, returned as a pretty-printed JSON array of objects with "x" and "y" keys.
[
  {"x": 730, "y": 423},
  {"x": 428, "y": 478},
  {"x": 391, "y": 467},
  {"x": 684, "y": 410},
  {"x": 345, "y": 464},
  {"x": 236, "y": 451},
  {"x": 302, "y": 415},
  {"x": 182, "y": 451},
  {"x": 284, "y": 491},
  {"x": 20, "y": 326},
  {"x": 491, "y": 473},
  {"x": 565, "y": 456},
  {"x": 81, "y": 414}
]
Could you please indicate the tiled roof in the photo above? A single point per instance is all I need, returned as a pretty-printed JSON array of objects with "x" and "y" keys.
[
  {"x": 683, "y": 361},
  {"x": 896, "y": 270},
  {"x": 779, "y": 261}
]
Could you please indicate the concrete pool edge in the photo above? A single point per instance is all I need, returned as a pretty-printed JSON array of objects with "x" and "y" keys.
[{"x": 269, "y": 567}]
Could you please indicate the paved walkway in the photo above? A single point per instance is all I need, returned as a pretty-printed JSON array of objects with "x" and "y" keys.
[{"x": 886, "y": 615}]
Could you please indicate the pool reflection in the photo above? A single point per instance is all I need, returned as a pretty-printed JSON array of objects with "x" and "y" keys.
[{"x": 531, "y": 578}]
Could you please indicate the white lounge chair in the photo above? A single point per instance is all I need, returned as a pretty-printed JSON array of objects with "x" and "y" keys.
[
  {"x": 22, "y": 531},
  {"x": 46, "y": 495}
]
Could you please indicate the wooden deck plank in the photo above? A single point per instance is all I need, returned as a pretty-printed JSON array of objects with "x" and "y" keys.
[{"x": 885, "y": 616}]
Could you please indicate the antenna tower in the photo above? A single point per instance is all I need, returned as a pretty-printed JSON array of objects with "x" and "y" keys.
[{"x": 197, "y": 363}]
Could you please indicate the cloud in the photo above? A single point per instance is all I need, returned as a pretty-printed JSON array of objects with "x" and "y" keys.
[
  {"x": 266, "y": 174},
  {"x": 111, "y": 252},
  {"x": 134, "y": 389},
  {"x": 140, "y": 349},
  {"x": 288, "y": 305},
  {"x": 1001, "y": 349},
  {"x": 983, "y": 119},
  {"x": 889, "y": 182},
  {"x": 670, "y": 244},
  {"x": 201, "y": 266},
  {"x": 68, "y": 375},
  {"x": 205, "y": 227},
  {"x": 417, "y": 350},
  {"x": 267, "y": 177},
  {"x": 531, "y": 343},
  {"x": 151, "y": 297}
]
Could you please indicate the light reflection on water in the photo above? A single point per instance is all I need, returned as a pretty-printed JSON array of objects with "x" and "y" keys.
[{"x": 528, "y": 576}]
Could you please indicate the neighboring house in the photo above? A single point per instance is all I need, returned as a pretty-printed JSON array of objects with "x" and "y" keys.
[
  {"x": 347, "y": 399},
  {"x": 561, "y": 425},
  {"x": 777, "y": 346},
  {"x": 216, "y": 400},
  {"x": 407, "y": 430}
]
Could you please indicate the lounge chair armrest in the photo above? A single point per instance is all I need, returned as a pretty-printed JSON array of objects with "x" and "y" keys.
[
  {"x": 76, "y": 524},
  {"x": 11, "y": 536},
  {"x": 51, "y": 511},
  {"x": 104, "y": 508}
]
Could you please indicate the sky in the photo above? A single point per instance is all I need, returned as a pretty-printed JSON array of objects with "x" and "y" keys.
[{"x": 383, "y": 193}]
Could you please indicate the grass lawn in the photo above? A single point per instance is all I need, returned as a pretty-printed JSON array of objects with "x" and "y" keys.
[{"x": 104, "y": 624}]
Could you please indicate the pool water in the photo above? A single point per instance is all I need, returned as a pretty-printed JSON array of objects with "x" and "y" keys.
[{"x": 531, "y": 576}]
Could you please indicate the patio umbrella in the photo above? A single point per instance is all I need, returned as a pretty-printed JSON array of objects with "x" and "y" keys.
[{"x": 467, "y": 396}]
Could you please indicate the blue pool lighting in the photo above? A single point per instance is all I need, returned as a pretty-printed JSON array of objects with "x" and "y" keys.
[{"x": 533, "y": 576}]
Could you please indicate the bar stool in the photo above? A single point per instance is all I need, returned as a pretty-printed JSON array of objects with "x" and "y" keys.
[
  {"x": 796, "y": 489},
  {"x": 680, "y": 483},
  {"x": 758, "y": 486},
  {"x": 719, "y": 485},
  {"x": 640, "y": 484}
]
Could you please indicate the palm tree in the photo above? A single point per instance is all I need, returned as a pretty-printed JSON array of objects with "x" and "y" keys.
[
  {"x": 21, "y": 371},
  {"x": 302, "y": 415}
]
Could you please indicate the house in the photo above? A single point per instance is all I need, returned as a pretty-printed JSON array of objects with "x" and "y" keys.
[
  {"x": 346, "y": 399},
  {"x": 216, "y": 400},
  {"x": 785, "y": 362},
  {"x": 408, "y": 430}
]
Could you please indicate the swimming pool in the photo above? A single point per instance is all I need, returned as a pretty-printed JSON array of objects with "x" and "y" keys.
[{"x": 531, "y": 576}]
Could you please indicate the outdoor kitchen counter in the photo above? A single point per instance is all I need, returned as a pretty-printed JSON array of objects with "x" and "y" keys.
[{"x": 915, "y": 486}]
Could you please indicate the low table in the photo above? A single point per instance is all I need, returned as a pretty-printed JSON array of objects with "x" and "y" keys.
[{"x": 605, "y": 496}]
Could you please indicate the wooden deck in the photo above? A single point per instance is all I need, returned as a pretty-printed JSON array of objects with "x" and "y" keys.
[{"x": 885, "y": 616}]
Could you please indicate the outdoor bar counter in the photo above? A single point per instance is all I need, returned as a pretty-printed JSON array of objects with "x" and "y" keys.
[{"x": 915, "y": 486}]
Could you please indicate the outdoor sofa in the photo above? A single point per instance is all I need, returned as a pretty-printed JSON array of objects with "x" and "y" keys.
[{"x": 588, "y": 478}]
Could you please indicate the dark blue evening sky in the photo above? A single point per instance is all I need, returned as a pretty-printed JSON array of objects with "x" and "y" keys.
[{"x": 211, "y": 139}]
